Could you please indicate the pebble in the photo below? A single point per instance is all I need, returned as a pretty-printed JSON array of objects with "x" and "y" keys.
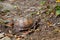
[
  {"x": 1, "y": 35},
  {"x": 7, "y": 6},
  {"x": 18, "y": 39},
  {"x": 6, "y": 38},
  {"x": 12, "y": 0}
]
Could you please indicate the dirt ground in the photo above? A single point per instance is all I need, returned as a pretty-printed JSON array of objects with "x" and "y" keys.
[{"x": 47, "y": 26}]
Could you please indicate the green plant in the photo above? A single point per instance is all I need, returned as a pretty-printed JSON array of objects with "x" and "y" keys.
[
  {"x": 57, "y": 8},
  {"x": 42, "y": 2},
  {"x": 1, "y": 0}
]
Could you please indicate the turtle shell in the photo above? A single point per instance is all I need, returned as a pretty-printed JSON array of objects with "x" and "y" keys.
[{"x": 23, "y": 23}]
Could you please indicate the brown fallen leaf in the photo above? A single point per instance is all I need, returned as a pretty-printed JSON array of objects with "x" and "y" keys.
[
  {"x": 18, "y": 39},
  {"x": 9, "y": 35}
]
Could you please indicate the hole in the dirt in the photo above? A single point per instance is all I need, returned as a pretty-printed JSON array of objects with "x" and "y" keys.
[
  {"x": 36, "y": 25},
  {"x": 6, "y": 22},
  {"x": 31, "y": 32},
  {"x": 58, "y": 16},
  {"x": 23, "y": 30},
  {"x": 6, "y": 26}
]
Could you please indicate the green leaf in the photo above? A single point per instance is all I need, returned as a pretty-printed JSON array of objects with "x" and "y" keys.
[
  {"x": 57, "y": 7},
  {"x": 2, "y": 0},
  {"x": 42, "y": 2},
  {"x": 1, "y": 6},
  {"x": 5, "y": 11},
  {"x": 57, "y": 12},
  {"x": 33, "y": 13}
]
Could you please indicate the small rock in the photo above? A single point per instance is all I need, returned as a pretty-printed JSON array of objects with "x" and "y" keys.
[
  {"x": 11, "y": 0},
  {"x": 6, "y": 6},
  {"x": 18, "y": 39},
  {"x": 1, "y": 35},
  {"x": 6, "y": 38}
]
